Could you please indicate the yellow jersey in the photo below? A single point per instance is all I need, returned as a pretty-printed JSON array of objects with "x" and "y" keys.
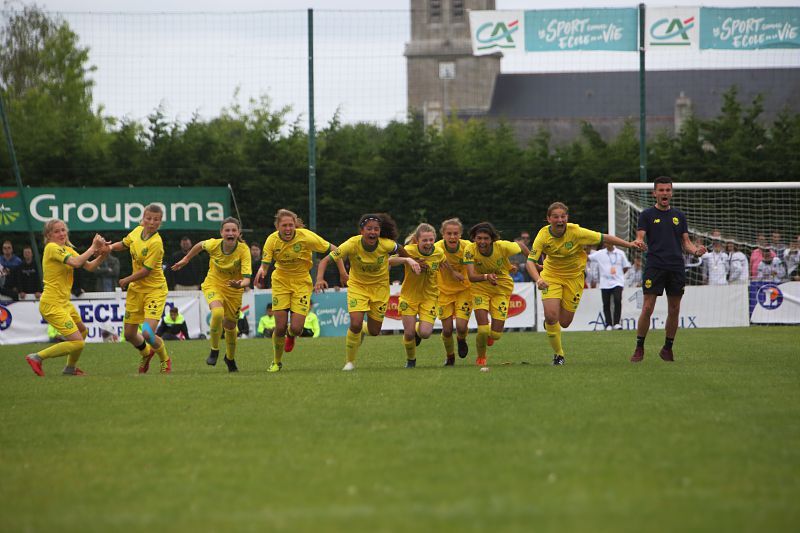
[
  {"x": 56, "y": 273},
  {"x": 146, "y": 253},
  {"x": 223, "y": 267},
  {"x": 494, "y": 263},
  {"x": 367, "y": 267},
  {"x": 423, "y": 286},
  {"x": 293, "y": 258},
  {"x": 565, "y": 257},
  {"x": 447, "y": 283}
]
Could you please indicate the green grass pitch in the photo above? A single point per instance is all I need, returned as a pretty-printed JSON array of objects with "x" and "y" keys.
[{"x": 708, "y": 443}]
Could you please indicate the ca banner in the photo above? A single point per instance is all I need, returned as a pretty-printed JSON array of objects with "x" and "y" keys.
[
  {"x": 749, "y": 28},
  {"x": 114, "y": 208}
]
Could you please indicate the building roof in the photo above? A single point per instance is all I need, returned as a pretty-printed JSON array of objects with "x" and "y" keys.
[{"x": 616, "y": 94}]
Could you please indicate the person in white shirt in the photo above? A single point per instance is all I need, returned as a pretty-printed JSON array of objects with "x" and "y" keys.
[
  {"x": 633, "y": 277},
  {"x": 715, "y": 265},
  {"x": 770, "y": 268},
  {"x": 591, "y": 274},
  {"x": 791, "y": 258},
  {"x": 738, "y": 264},
  {"x": 611, "y": 265}
]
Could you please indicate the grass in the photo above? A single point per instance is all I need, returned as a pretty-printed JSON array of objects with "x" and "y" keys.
[{"x": 708, "y": 443}]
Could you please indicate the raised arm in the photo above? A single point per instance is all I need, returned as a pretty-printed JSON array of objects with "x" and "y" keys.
[{"x": 78, "y": 261}]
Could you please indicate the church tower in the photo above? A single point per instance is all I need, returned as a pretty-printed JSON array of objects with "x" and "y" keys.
[{"x": 443, "y": 76}]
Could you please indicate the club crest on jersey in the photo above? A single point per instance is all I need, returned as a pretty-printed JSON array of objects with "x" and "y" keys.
[
  {"x": 468, "y": 255},
  {"x": 675, "y": 220},
  {"x": 648, "y": 283},
  {"x": 144, "y": 252},
  {"x": 381, "y": 259},
  {"x": 656, "y": 221},
  {"x": 403, "y": 306},
  {"x": 297, "y": 247},
  {"x": 568, "y": 245},
  {"x": 353, "y": 302}
]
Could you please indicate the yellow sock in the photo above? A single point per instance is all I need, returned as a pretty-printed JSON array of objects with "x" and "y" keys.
[
  {"x": 449, "y": 345},
  {"x": 74, "y": 355},
  {"x": 277, "y": 347},
  {"x": 351, "y": 344},
  {"x": 61, "y": 349},
  {"x": 411, "y": 348},
  {"x": 554, "y": 337},
  {"x": 161, "y": 351},
  {"x": 481, "y": 338},
  {"x": 216, "y": 327},
  {"x": 230, "y": 344},
  {"x": 496, "y": 335}
]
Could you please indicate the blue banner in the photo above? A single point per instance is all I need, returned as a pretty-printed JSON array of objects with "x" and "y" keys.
[
  {"x": 581, "y": 29},
  {"x": 749, "y": 28},
  {"x": 330, "y": 308}
]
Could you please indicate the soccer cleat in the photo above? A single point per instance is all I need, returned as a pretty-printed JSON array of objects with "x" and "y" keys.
[
  {"x": 144, "y": 364},
  {"x": 463, "y": 348},
  {"x": 417, "y": 339},
  {"x": 213, "y": 355},
  {"x": 558, "y": 360},
  {"x": 289, "y": 345},
  {"x": 75, "y": 372},
  {"x": 666, "y": 354},
  {"x": 489, "y": 341},
  {"x": 638, "y": 354},
  {"x": 231, "y": 365},
  {"x": 166, "y": 366},
  {"x": 349, "y": 366},
  {"x": 275, "y": 367},
  {"x": 451, "y": 360},
  {"x": 36, "y": 364},
  {"x": 480, "y": 361},
  {"x": 411, "y": 363}
]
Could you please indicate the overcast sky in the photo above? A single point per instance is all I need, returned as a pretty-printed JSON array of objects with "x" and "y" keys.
[{"x": 147, "y": 56}]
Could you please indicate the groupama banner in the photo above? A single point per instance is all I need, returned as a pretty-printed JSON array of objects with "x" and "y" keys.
[
  {"x": 616, "y": 29},
  {"x": 114, "y": 208}
]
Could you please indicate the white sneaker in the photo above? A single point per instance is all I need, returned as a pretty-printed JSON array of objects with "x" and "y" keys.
[
  {"x": 608, "y": 328},
  {"x": 618, "y": 326},
  {"x": 349, "y": 366}
]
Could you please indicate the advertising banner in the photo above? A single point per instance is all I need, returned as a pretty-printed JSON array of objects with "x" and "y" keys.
[
  {"x": 497, "y": 31},
  {"x": 709, "y": 306},
  {"x": 672, "y": 27},
  {"x": 582, "y": 29},
  {"x": 749, "y": 28},
  {"x": 772, "y": 303},
  {"x": 114, "y": 208}
]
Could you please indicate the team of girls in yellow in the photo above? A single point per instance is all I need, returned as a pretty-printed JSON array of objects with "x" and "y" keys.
[{"x": 446, "y": 279}]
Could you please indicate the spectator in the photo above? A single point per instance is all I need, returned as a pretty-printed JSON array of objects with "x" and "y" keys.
[
  {"x": 107, "y": 274},
  {"x": 242, "y": 325},
  {"x": 8, "y": 260},
  {"x": 791, "y": 259},
  {"x": 311, "y": 325},
  {"x": 737, "y": 264},
  {"x": 776, "y": 243},
  {"x": 633, "y": 277},
  {"x": 770, "y": 268},
  {"x": 694, "y": 265},
  {"x": 267, "y": 323},
  {"x": 592, "y": 272},
  {"x": 519, "y": 260},
  {"x": 715, "y": 265},
  {"x": 757, "y": 254},
  {"x": 189, "y": 277},
  {"x": 255, "y": 262},
  {"x": 526, "y": 238},
  {"x": 173, "y": 326},
  {"x": 24, "y": 278},
  {"x": 611, "y": 265}
]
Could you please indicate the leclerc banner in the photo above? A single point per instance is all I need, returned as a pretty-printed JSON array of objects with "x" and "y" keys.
[
  {"x": 582, "y": 29},
  {"x": 672, "y": 27},
  {"x": 749, "y": 28},
  {"x": 114, "y": 208}
]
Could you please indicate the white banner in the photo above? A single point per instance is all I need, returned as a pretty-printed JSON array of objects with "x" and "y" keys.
[
  {"x": 672, "y": 28},
  {"x": 497, "y": 31},
  {"x": 103, "y": 313},
  {"x": 777, "y": 304},
  {"x": 701, "y": 307}
]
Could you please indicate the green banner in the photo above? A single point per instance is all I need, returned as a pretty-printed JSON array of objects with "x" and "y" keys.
[{"x": 114, "y": 208}]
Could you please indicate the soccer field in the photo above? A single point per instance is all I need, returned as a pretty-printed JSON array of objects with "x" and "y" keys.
[{"x": 708, "y": 443}]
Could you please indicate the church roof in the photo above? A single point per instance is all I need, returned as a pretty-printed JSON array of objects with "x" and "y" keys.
[{"x": 616, "y": 94}]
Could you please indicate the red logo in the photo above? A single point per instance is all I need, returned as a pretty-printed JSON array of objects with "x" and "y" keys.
[
  {"x": 393, "y": 308},
  {"x": 516, "y": 306}
]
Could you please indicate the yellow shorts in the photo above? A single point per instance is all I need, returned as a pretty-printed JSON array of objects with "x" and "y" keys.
[
  {"x": 458, "y": 304},
  {"x": 425, "y": 309},
  {"x": 293, "y": 295},
  {"x": 372, "y": 299},
  {"x": 568, "y": 291},
  {"x": 494, "y": 302},
  {"x": 144, "y": 306},
  {"x": 63, "y": 317},
  {"x": 230, "y": 298}
]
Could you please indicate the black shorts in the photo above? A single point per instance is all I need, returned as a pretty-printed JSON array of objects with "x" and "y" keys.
[{"x": 655, "y": 280}]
